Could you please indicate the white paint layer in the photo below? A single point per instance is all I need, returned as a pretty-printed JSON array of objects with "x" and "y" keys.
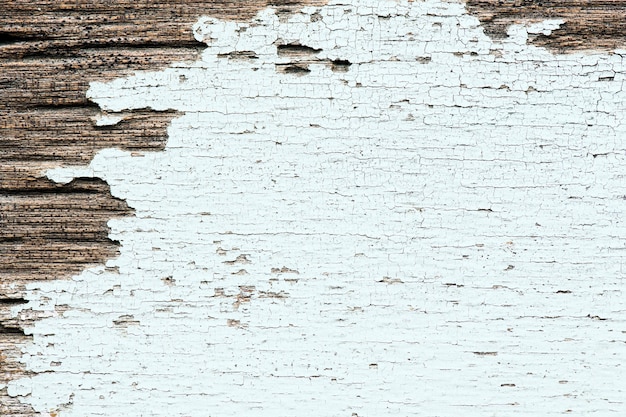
[{"x": 435, "y": 230}]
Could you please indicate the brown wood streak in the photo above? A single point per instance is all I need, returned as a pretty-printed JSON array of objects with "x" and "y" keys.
[
  {"x": 50, "y": 50},
  {"x": 589, "y": 25}
]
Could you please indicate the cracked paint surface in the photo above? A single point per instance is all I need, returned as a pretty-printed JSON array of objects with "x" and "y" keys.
[{"x": 365, "y": 210}]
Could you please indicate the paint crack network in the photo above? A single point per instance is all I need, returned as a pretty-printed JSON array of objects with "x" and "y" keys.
[{"x": 366, "y": 208}]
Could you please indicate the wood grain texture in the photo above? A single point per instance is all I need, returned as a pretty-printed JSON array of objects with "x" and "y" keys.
[
  {"x": 49, "y": 53},
  {"x": 589, "y": 24}
]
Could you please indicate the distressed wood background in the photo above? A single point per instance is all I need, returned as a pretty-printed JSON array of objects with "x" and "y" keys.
[{"x": 49, "y": 53}]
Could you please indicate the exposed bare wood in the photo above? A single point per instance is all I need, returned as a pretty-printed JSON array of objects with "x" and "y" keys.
[
  {"x": 10, "y": 367},
  {"x": 589, "y": 24}
]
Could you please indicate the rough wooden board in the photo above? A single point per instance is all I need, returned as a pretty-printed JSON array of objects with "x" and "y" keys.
[
  {"x": 589, "y": 25},
  {"x": 46, "y": 67},
  {"x": 70, "y": 135},
  {"x": 64, "y": 227},
  {"x": 49, "y": 53}
]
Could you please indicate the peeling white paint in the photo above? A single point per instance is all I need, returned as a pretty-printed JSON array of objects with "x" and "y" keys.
[
  {"x": 107, "y": 119},
  {"x": 436, "y": 231},
  {"x": 545, "y": 27}
]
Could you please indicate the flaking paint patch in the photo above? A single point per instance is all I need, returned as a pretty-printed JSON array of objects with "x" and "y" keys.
[{"x": 439, "y": 227}]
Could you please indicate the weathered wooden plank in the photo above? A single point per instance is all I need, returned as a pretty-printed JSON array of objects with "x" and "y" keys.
[{"x": 51, "y": 50}]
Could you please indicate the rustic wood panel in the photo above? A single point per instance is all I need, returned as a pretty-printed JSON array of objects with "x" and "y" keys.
[
  {"x": 49, "y": 53},
  {"x": 51, "y": 50}
]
